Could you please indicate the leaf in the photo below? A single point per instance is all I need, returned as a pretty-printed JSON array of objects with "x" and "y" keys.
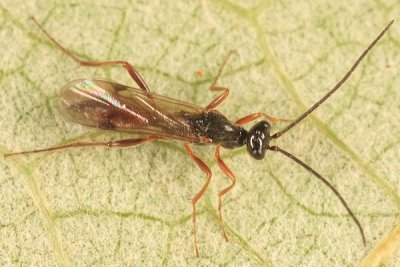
[{"x": 99, "y": 206}]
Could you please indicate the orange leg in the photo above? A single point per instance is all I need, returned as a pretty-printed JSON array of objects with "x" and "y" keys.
[
  {"x": 252, "y": 117},
  {"x": 219, "y": 99},
  {"x": 225, "y": 169},
  {"x": 116, "y": 143},
  {"x": 131, "y": 70},
  {"x": 196, "y": 198}
]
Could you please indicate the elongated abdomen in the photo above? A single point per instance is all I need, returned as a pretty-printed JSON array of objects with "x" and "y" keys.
[{"x": 113, "y": 106}]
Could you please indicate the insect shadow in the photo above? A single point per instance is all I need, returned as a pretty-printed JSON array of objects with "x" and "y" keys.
[{"x": 113, "y": 106}]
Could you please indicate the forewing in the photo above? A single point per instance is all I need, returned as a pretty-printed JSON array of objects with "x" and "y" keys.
[{"x": 113, "y": 106}]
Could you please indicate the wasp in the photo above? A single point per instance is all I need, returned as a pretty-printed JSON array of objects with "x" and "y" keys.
[{"x": 112, "y": 106}]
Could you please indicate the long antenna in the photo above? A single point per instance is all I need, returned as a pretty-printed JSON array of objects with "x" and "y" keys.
[
  {"x": 326, "y": 182},
  {"x": 336, "y": 87},
  {"x": 309, "y": 111}
]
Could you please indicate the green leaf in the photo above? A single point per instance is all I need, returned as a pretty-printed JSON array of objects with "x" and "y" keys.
[{"x": 99, "y": 206}]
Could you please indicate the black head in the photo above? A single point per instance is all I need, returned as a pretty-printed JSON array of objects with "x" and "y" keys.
[{"x": 258, "y": 139}]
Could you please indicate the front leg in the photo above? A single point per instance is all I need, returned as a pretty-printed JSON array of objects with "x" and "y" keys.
[
  {"x": 255, "y": 116},
  {"x": 225, "y": 169}
]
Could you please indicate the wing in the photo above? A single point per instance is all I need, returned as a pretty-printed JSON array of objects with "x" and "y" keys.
[{"x": 112, "y": 106}]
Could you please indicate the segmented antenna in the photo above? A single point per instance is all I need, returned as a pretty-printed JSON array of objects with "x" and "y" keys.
[{"x": 308, "y": 112}]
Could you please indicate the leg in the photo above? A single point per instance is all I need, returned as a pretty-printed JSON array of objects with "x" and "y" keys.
[
  {"x": 117, "y": 143},
  {"x": 196, "y": 198},
  {"x": 131, "y": 70},
  {"x": 252, "y": 117},
  {"x": 225, "y": 169},
  {"x": 219, "y": 99}
]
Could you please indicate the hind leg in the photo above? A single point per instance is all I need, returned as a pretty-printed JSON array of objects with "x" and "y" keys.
[{"x": 131, "y": 70}]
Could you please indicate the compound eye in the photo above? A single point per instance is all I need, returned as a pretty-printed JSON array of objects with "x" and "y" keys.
[
  {"x": 256, "y": 147},
  {"x": 258, "y": 140}
]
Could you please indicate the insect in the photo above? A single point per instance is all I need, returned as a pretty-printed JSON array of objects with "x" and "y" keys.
[{"x": 113, "y": 106}]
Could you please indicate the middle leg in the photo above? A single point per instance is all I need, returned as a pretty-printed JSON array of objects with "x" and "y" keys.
[
  {"x": 197, "y": 197},
  {"x": 220, "y": 98}
]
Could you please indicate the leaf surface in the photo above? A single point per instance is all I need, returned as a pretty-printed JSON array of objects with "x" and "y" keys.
[{"x": 99, "y": 206}]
